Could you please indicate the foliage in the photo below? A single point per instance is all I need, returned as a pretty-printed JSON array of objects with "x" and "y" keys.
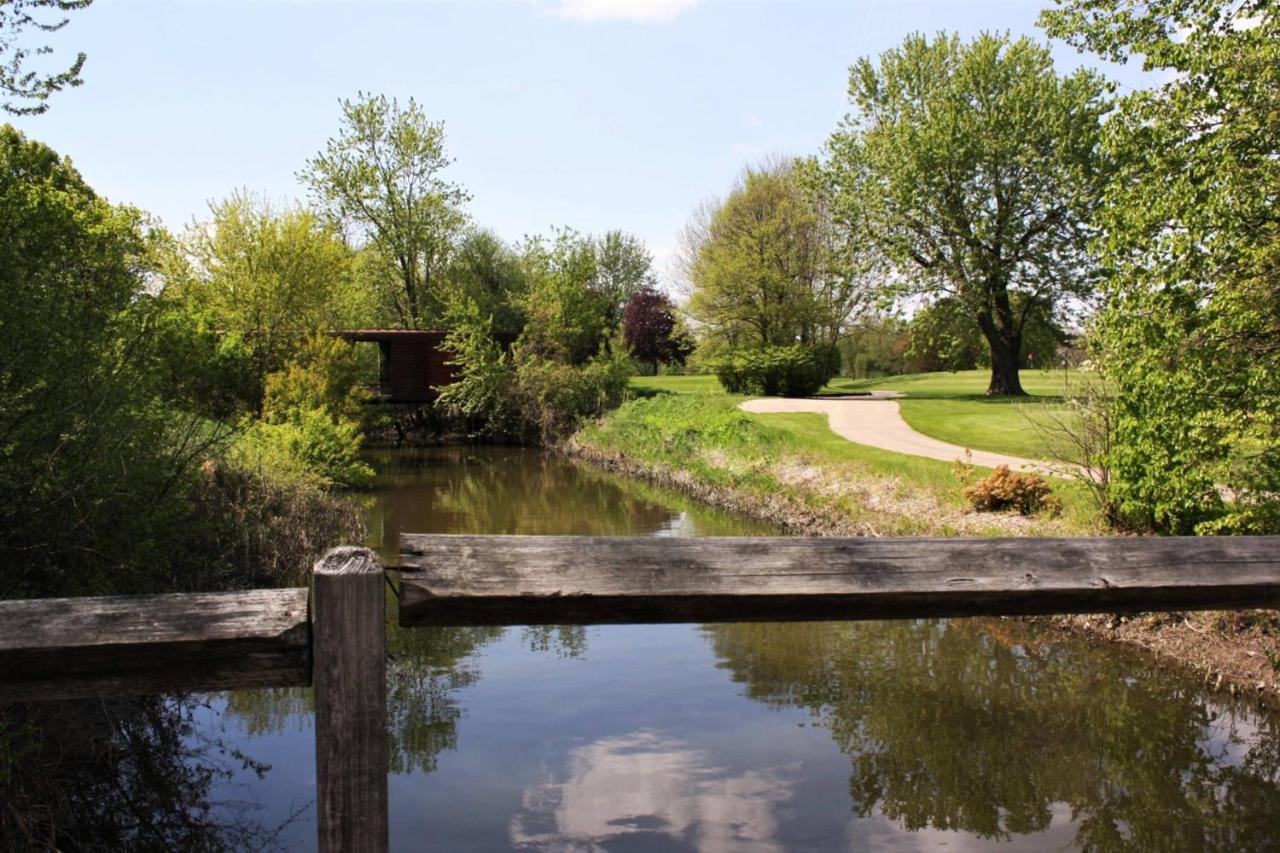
[
  {"x": 765, "y": 269},
  {"x": 553, "y": 398},
  {"x": 268, "y": 278},
  {"x": 1188, "y": 338},
  {"x": 381, "y": 173},
  {"x": 944, "y": 336},
  {"x": 794, "y": 371},
  {"x": 652, "y": 330},
  {"x": 624, "y": 267},
  {"x": 1029, "y": 493},
  {"x": 312, "y": 414},
  {"x": 975, "y": 170},
  {"x": 324, "y": 374},
  {"x": 559, "y": 370},
  {"x": 197, "y": 368},
  {"x": 31, "y": 89},
  {"x": 110, "y": 400},
  {"x": 85, "y": 478},
  {"x": 876, "y": 344},
  {"x": 491, "y": 275},
  {"x": 307, "y": 441},
  {"x": 567, "y": 316}
]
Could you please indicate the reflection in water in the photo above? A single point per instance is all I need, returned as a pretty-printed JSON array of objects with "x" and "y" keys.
[
  {"x": 960, "y": 735},
  {"x": 123, "y": 774},
  {"x": 648, "y": 785},
  {"x": 977, "y": 726},
  {"x": 517, "y": 490}
]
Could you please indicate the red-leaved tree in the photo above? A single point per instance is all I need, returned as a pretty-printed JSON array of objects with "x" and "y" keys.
[{"x": 650, "y": 329}]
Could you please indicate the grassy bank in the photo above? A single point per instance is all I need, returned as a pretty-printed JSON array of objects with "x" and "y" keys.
[{"x": 790, "y": 468}]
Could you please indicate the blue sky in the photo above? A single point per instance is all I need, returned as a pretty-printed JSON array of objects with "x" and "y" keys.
[{"x": 595, "y": 114}]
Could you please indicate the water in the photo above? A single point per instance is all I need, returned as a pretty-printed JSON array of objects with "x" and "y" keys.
[{"x": 921, "y": 735}]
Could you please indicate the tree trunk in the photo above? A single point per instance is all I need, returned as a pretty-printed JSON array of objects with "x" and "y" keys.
[
  {"x": 1006, "y": 348},
  {"x": 1004, "y": 372}
]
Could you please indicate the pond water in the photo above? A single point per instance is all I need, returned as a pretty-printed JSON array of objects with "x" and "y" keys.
[{"x": 931, "y": 735}]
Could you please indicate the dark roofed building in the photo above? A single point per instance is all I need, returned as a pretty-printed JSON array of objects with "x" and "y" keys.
[{"x": 412, "y": 363}]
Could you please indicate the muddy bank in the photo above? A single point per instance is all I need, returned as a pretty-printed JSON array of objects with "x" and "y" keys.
[{"x": 1237, "y": 652}]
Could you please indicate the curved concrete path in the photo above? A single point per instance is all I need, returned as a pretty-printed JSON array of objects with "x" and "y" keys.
[{"x": 875, "y": 421}]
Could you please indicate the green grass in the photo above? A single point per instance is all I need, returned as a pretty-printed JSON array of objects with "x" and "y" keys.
[
  {"x": 961, "y": 384},
  {"x": 706, "y": 437},
  {"x": 950, "y": 407},
  {"x": 707, "y": 384}
]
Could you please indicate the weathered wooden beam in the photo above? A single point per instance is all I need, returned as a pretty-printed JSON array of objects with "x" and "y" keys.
[
  {"x": 65, "y": 648},
  {"x": 348, "y": 614},
  {"x": 503, "y": 580}
]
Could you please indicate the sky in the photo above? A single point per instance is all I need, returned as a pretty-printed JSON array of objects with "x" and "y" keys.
[{"x": 592, "y": 114}]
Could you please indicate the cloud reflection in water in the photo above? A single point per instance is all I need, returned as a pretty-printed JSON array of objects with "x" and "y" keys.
[{"x": 645, "y": 782}]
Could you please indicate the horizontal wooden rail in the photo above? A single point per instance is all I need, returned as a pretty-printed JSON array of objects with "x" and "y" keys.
[
  {"x": 503, "y": 580},
  {"x": 63, "y": 648}
]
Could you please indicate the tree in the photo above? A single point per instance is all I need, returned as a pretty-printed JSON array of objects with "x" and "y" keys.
[
  {"x": 268, "y": 277},
  {"x": 652, "y": 331},
  {"x": 381, "y": 174},
  {"x": 762, "y": 268},
  {"x": 488, "y": 272},
  {"x": 1188, "y": 339},
  {"x": 624, "y": 267},
  {"x": 975, "y": 169},
  {"x": 944, "y": 336},
  {"x": 84, "y": 475},
  {"x": 567, "y": 313},
  {"x": 31, "y": 89}
]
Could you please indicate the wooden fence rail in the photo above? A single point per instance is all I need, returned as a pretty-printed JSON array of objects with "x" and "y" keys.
[
  {"x": 505, "y": 580},
  {"x": 65, "y": 648}
]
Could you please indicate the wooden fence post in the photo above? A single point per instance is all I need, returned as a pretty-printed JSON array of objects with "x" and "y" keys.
[{"x": 349, "y": 660}]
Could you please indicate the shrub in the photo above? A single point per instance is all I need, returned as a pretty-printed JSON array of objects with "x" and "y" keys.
[
  {"x": 309, "y": 441},
  {"x": 325, "y": 374},
  {"x": 553, "y": 398},
  {"x": 799, "y": 370},
  {"x": 1004, "y": 490}
]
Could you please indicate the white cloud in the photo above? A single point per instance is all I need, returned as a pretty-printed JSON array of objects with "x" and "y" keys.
[{"x": 635, "y": 11}]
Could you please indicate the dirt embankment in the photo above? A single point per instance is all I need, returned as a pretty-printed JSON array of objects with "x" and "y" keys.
[
  {"x": 786, "y": 513},
  {"x": 1234, "y": 651}
]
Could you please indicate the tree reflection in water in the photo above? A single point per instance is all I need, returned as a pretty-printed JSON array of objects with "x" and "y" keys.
[
  {"x": 976, "y": 726},
  {"x": 121, "y": 774}
]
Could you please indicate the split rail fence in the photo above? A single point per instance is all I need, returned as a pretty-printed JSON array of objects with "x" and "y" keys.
[{"x": 333, "y": 636}]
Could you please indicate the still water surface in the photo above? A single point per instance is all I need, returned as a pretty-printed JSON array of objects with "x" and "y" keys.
[{"x": 924, "y": 735}]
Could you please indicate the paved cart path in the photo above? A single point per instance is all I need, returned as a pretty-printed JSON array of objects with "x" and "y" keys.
[{"x": 875, "y": 421}]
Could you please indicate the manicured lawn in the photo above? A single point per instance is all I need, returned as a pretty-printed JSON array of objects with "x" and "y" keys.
[
  {"x": 962, "y": 383},
  {"x": 950, "y": 407},
  {"x": 707, "y": 384}
]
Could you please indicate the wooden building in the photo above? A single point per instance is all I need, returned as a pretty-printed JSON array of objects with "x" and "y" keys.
[{"x": 413, "y": 364}]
